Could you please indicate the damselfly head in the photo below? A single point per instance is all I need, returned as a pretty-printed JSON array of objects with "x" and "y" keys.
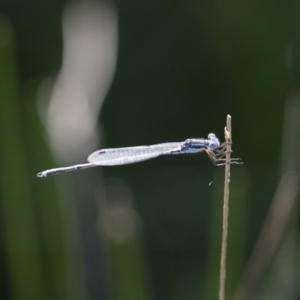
[{"x": 213, "y": 141}]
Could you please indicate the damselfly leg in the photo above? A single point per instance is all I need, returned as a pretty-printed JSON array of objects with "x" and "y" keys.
[{"x": 217, "y": 156}]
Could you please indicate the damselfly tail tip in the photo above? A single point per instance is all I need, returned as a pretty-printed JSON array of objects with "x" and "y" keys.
[{"x": 41, "y": 174}]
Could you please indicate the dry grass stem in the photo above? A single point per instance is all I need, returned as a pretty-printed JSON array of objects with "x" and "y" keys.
[{"x": 225, "y": 211}]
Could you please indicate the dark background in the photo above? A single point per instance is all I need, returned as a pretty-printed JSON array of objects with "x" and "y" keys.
[{"x": 182, "y": 66}]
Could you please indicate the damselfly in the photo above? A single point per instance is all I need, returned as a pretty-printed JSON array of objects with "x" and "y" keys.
[{"x": 128, "y": 155}]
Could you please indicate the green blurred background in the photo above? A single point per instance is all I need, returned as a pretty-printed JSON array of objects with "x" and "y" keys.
[{"x": 150, "y": 72}]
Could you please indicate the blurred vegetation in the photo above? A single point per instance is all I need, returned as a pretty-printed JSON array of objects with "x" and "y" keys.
[{"x": 182, "y": 67}]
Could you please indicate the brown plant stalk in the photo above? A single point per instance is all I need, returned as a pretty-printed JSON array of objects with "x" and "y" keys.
[{"x": 225, "y": 210}]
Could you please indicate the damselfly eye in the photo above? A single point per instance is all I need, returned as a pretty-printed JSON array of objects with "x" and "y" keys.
[
  {"x": 213, "y": 145},
  {"x": 212, "y": 136}
]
